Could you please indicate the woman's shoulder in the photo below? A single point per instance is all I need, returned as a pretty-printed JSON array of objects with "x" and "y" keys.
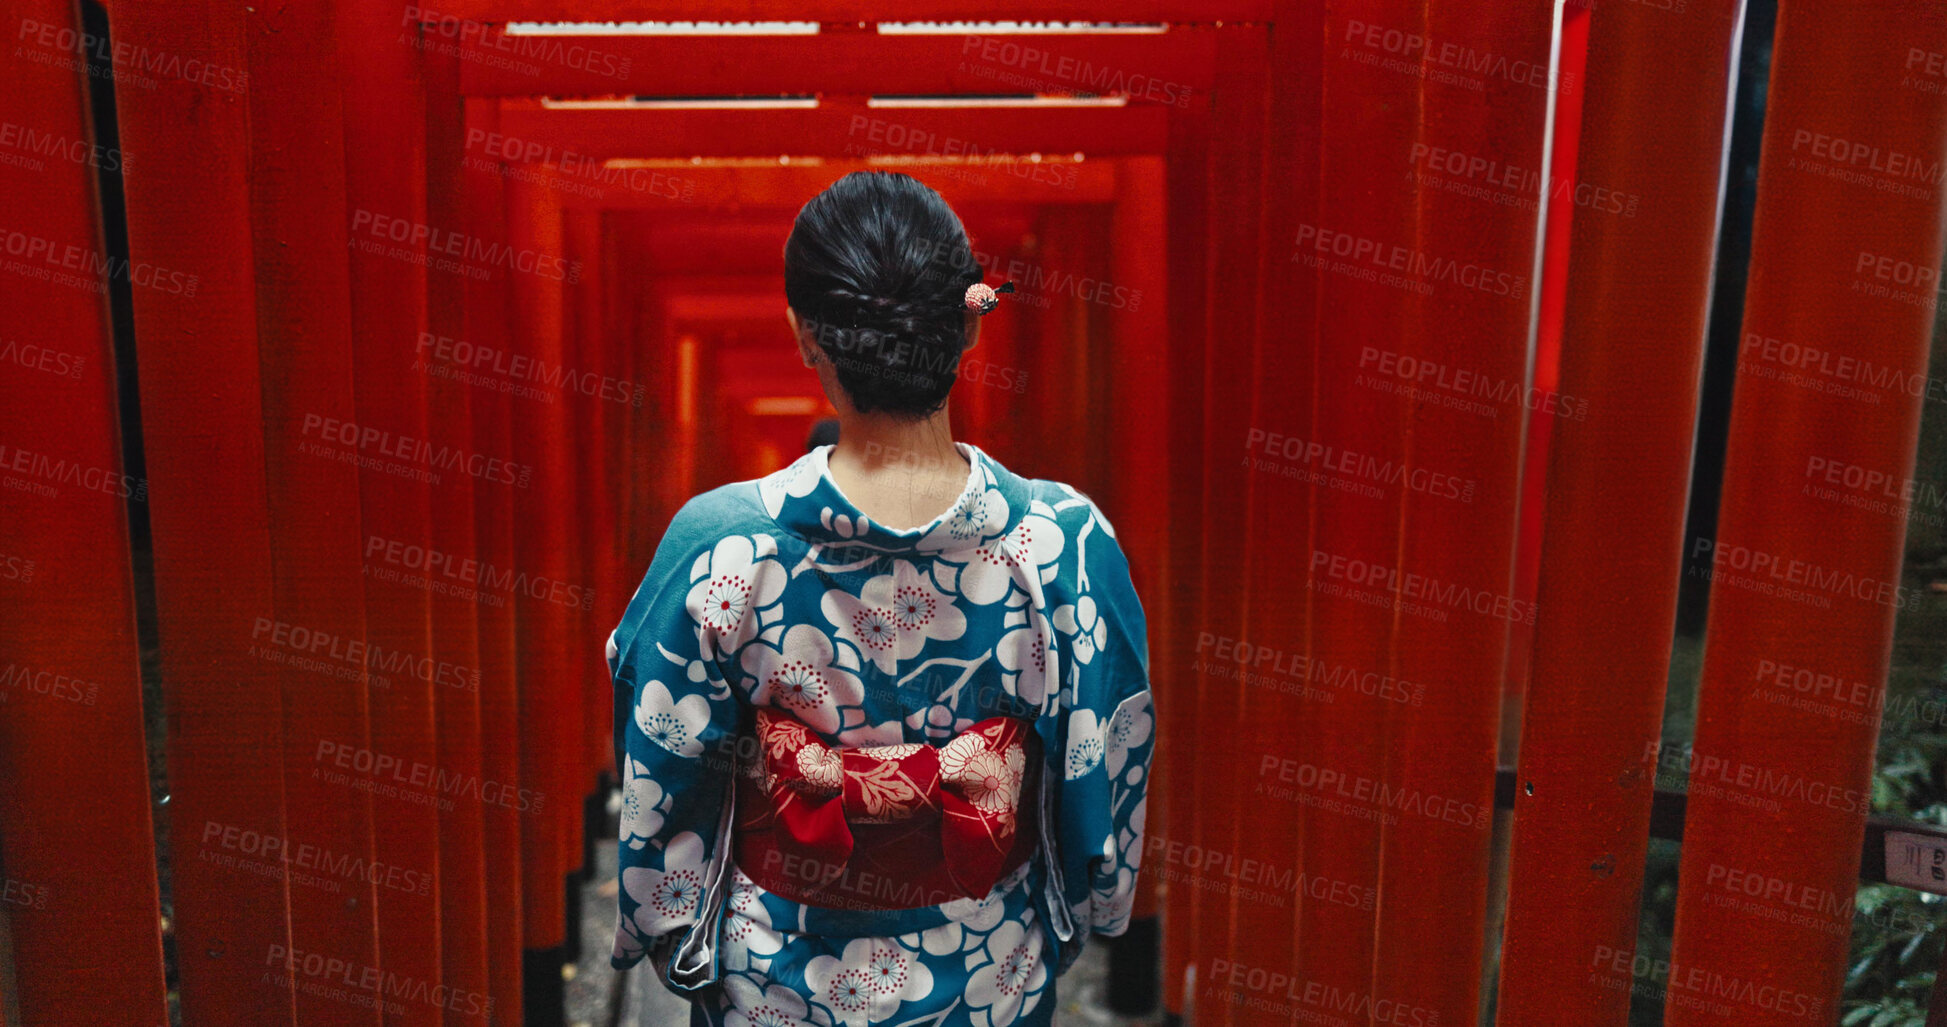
[
  {"x": 728, "y": 509},
  {"x": 706, "y": 520},
  {"x": 1085, "y": 556},
  {"x": 1069, "y": 507}
]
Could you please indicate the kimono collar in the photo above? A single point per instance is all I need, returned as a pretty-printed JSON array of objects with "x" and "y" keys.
[{"x": 805, "y": 501}]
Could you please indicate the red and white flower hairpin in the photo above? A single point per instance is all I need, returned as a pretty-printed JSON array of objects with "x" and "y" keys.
[{"x": 982, "y": 297}]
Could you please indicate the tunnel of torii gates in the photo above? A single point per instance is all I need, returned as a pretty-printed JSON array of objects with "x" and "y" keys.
[{"x": 1286, "y": 273}]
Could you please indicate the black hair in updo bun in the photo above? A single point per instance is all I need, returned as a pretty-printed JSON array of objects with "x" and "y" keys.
[{"x": 877, "y": 268}]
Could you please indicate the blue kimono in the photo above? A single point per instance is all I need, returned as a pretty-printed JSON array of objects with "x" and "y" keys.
[{"x": 777, "y": 593}]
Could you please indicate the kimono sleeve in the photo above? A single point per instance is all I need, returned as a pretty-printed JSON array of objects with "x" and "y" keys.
[
  {"x": 1108, "y": 733},
  {"x": 676, "y": 724}
]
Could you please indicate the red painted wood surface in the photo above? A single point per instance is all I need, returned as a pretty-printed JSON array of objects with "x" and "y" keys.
[
  {"x": 595, "y": 396},
  {"x": 335, "y": 770},
  {"x": 1571, "y": 66},
  {"x": 549, "y": 704},
  {"x": 384, "y": 138},
  {"x": 79, "y": 845},
  {"x": 602, "y": 133},
  {"x": 1461, "y": 460},
  {"x": 1137, "y": 379},
  {"x": 592, "y": 688},
  {"x": 1226, "y": 743},
  {"x": 1282, "y": 500},
  {"x": 435, "y": 353},
  {"x": 849, "y": 10},
  {"x": 1166, "y": 68},
  {"x": 673, "y": 186},
  {"x": 1368, "y": 113},
  {"x": 203, "y": 440},
  {"x": 1278, "y": 839},
  {"x": 1802, "y": 579},
  {"x": 1056, "y": 326},
  {"x": 1632, "y": 347},
  {"x": 1176, "y": 813},
  {"x": 485, "y": 327}
]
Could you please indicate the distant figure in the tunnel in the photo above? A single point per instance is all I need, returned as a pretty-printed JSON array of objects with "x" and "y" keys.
[
  {"x": 824, "y": 432},
  {"x": 882, "y": 717}
]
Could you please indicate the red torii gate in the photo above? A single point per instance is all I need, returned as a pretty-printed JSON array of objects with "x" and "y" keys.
[{"x": 277, "y": 186}]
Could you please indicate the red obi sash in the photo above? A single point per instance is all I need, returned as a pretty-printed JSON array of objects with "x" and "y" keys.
[{"x": 885, "y": 826}]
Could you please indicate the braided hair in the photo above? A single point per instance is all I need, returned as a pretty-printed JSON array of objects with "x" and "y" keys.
[{"x": 877, "y": 269}]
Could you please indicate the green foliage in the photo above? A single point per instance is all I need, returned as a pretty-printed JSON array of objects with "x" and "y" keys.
[
  {"x": 1897, "y": 936},
  {"x": 1895, "y": 952}
]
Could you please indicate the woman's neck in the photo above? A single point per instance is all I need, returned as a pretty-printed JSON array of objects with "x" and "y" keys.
[
  {"x": 869, "y": 443},
  {"x": 907, "y": 472}
]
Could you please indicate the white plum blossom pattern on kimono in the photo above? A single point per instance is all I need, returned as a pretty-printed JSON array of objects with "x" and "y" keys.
[
  {"x": 980, "y": 514},
  {"x": 696, "y": 672},
  {"x": 1027, "y": 551},
  {"x": 1009, "y": 981},
  {"x": 1079, "y": 619},
  {"x": 792, "y": 481},
  {"x": 740, "y": 574},
  {"x": 668, "y": 897},
  {"x": 642, "y": 807},
  {"x": 775, "y": 1006},
  {"x": 749, "y": 941},
  {"x": 867, "y": 982},
  {"x": 968, "y": 920},
  {"x": 805, "y": 673},
  {"x": 1107, "y": 914},
  {"x": 1128, "y": 729},
  {"x": 1024, "y": 657},
  {"x": 1084, "y": 743},
  {"x": 779, "y": 594},
  {"x": 629, "y": 945},
  {"x": 893, "y": 616},
  {"x": 673, "y": 724}
]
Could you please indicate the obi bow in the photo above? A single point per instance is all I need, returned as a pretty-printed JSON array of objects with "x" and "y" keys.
[{"x": 972, "y": 783}]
